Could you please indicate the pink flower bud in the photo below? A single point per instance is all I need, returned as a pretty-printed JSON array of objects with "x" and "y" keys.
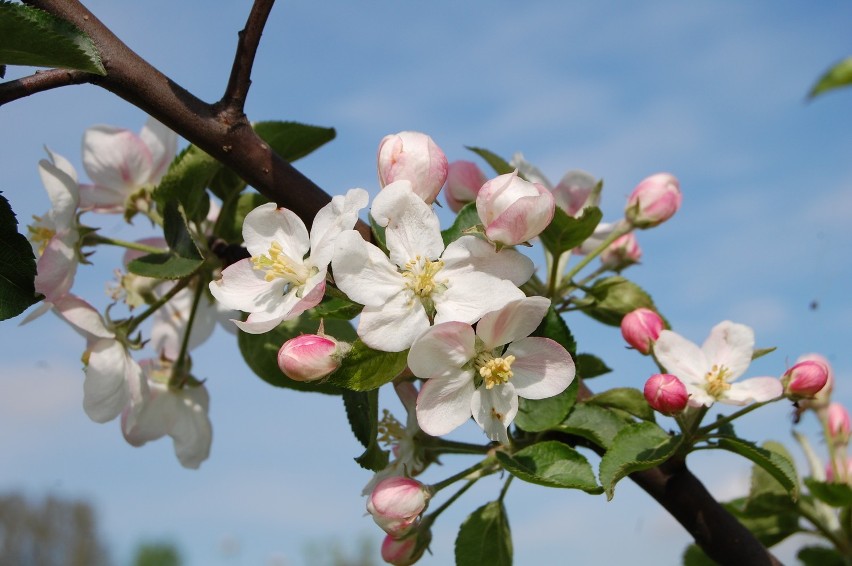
[
  {"x": 575, "y": 192},
  {"x": 311, "y": 356},
  {"x": 413, "y": 157},
  {"x": 623, "y": 252},
  {"x": 513, "y": 210},
  {"x": 464, "y": 179},
  {"x": 641, "y": 328},
  {"x": 653, "y": 201},
  {"x": 666, "y": 393},
  {"x": 805, "y": 379},
  {"x": 838, "y": 423},
  {"x": 396, "y": 504},
  {"x": 407, "y": 550},
  {"x": 823, "y": 396}
]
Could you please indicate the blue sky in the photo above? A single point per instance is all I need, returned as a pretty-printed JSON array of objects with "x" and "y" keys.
[{"x": 713, "y": 92}]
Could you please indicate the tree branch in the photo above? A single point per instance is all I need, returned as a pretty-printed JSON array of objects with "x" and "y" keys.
[
  {"x": 40, "y": 82},
  {"x": 234, "y": 99}
]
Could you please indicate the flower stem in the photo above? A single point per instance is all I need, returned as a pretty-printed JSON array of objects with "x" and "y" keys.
[
  {"x": 619, "y": 231},
  {"x": 94, "y": 238},
  {"x": 181, "y": 368},
  {"x": 427, "y": 520},
  {"x": 136, "y": 321},
  {"x": 474, "y": 473},
  {"x": 724, "y": 420},
  {"x": 505, "y": 489}
]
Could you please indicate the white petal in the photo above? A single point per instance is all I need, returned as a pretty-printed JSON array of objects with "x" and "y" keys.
[
  {"x": 63, "y": 193},
  {"x": 242, "y": 287},
  {"x": 192, "y": 432},
  {"x": 116, "y": 158},
  {"x": 470, "y": 253},
  {"x": 542, "y": 368},
  {"x": 752, "y": 390},
  {"x": 57, "y": 267},
  {"x": 444, "y": 403},
  {"x": 259, "y": 323},
  {"x": 530, "y": 172},
  {"x": 394, "y": 326},
  {"x": 83, "y": 317},
  {"x": 681, "y": 357},
  {"x": 730, "y": 345},
  {"x": 162, "y": 143},
  {"x": 151, "y": 418},
  {"x": 444, "y": 347},
  {"x": 411, "y": 227},
  {"x": 514, "y": 321},
  {"x": 63, "y": 164},
  {"x": 101, "y": 199},
  {"x": 363, "y": 272},
  {"x": 267, "y": 223},
  {"x": 105, "y": 390},
  {"x": 470, "y": 295},
  {"x": 338, "y": 215},
  {"x": 494, "y": 410}
]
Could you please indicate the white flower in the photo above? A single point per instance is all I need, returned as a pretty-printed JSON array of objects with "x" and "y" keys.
[
  {"x": 471, "y": 373},
  {"x": 164, "y": 410},
  {"x": 278, "y": 282},
  {"x": 708, "y": 371},
  {"x": 170, "y": 321},
  {"x": 421, "y": 281}
]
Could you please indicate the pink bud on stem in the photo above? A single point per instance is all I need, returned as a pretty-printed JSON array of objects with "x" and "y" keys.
[
  {"x": 666, "y": 394},
  {"x": 653, "y": 201}
]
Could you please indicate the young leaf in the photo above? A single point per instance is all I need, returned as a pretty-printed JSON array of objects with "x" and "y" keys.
[
  {"x": 164, "y": 266},
  {"x": 365, "y": 369},
  {"x": 835, "y": 494},
  {"x": 467, "y": 218},
  {"x": 613, "y": 297},
  {"x": 777, "y": 465},
  {"x": 537, "y": 415},
  {"x": 186, "y": 182},
  {"x": 17, "y": 266},
  {"x": 32, "y": 37},
  {"x": 553, "y": 326},
  {"x": 485, "y": 538},
  {"x": 551, "y": 464},
  {"x": 336, "y": 307},
  {"x": 362, "y": 410},
  {"x": 638, "y": 446},
  {"x": 500, "y": 165},
  {"x": 820, "y": 556},
  {"x": 177, "y": 234},
  {"x": 596, "y": 424},
  {"x": 292, "y": 140},
  {"x": 589, "y": 366},
  {"x": 566, "y": 232},
  {"x": 229, "y": 225},
  {"x": 694, "y": 556},
  {"x": 840, "y": 75},
  {"x": 627, "y": 399},
  {"x": 769, "y": 527}
]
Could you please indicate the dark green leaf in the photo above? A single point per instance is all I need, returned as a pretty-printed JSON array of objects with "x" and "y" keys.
[
  {"x": 565, "y": 232},
  {"x": 820, "y": 556},
  {"x": 769, "y": 522},
  {"x": 32, "y": 37},
  {"x": 164, "y": 266},
  {"x": 379, "y": 235},
  {"x": 467, "y": 218},
  {"x": 593, "y": 423},
  {"x": 638, "y": 446},
  {"x": 17, "y": 266},
  {"x": 292, "y": 140},
  {"x": 694, "y": 556},
  {"x": 627, "y": 399},
  {"x": 500, "y": 165},
  {"x": 176, "y": 233},
  {"x": 777, "y": 465},
  {"x": 589, "y": 366},
  {"x": 186, "y": 182},
  {"x": 336, "y": 307},
  {"x": 225, "y": 184},
  {"x": 613, "y": 297},
  {"x": 835, "y": 494},
  {"x": 840, "y": 75},
  {"x": 229, "y": 225},
  {"x": 551, "y": 464},
  {"x": 362, "y": 410},
  {"x": 554, "y": 327},
  {"x": 260, "y": 351},
  {"x": 365, "y": 369},
  {"x": 543, "y": 414},
  {"x": 485, "y": 538}
]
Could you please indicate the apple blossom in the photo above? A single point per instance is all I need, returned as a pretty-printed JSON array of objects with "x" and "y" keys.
[
  {"x": 464, "y": 179},
  {"x": 396, "y": 503},
  {"x": 654, "y": 200},
  {"x": 120, "y": 162},
  {"x": 406, "y": 550},
  {"x": 666, "y": 393},
  {"x": 838, "y": 424},
  {"x": 471, "y": 372},
  {"x": 708, "y": 371},
  {"x": 805, "y": 379},
  {"x": 622, "y": 253},
  {"x": 512, "y": 210},
  {"x": 823, "y": 396},
  {"x": 641, "y": 328},
  {"x": 576, "y": 191},
  {"x": 278, "y": 282},
  {"x": 311, "y": 356},
  {"x": 422, "y": 281},
  {"x": 413, "y": 157}
]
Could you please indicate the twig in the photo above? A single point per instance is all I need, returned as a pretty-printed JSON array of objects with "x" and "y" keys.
[
  {"x": 239, "y": 82},
  {"x": 40, "y": 82}
]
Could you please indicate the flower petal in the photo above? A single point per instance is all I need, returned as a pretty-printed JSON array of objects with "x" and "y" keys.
[
  {"x": 412, "y": 229},
  {"x": 394, "y": 326},
  {"x": 514, "y": 321},
  {"x": 162, "y": 143},
  {"x": 443, "y": 347},
  {"x": 267, "y": 223},
  {"x": 192, "y": 432},
  {"x": 752, "y": 390},
  {"x": 465, "y": 301},
  {"x": 542, "y": 368},
  {"x": 244, "y": 288},
  {"x": 730, "y": 345},
  {"x": 82, "y": 317},
  {"x": 105, "y": 390},
  {"x": 494, "y": 410},
  {"x": 338, "y": 215},
  {"x": 116, "y": 158},
  {"x": 363, "y": 272},
  {"x": 62, "y": 191},
  {"x": 681, "y": 358},
  {"x": 470, "y": 253},
  {"x": 444, "y": 403}
]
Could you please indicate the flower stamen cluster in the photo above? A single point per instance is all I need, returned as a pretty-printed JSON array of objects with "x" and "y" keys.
[
  {"x": 420, "y": 273},
  {"x": 717, "y": 382},
  {"x": 494, "y": 371},
  {"x": 278, "y": 265}
]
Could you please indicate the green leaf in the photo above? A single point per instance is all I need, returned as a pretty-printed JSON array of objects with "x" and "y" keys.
[
  {"x": 379, "y": 236},
  {"x": 164, "y": 266},
  {"x": 589, "y": 366},
  {"x": 186, "y": 182},
  {"x": 593, "y": 423},
  {"x": 500, "y": 165},
  {"x": 362, "y": 410},
  {"x": 627, "y": 399},
  {"x": 542, "y": 414},
  {"x": 820, "y": 556},
  {"x": 466, "y": 218},
  {"x": 260, "y": 351},
  {"x": 17, "y": 266},
  {"x": 177, "y": 234},
  {"x": 292, "y": 140},
  {"x": 551, "y": 464},
  {"x": 229, "y": 225},
  {"x": 840, "y": 75},
  {"x": 336, "y": 307},
  {"x": 835, "y": 494},
  {"x": 614, "y": 297},
  {"x": 225, "y": 184},
  {"x": 777, "y": 465},
  {"x": 638, "y": 446},
  {"x": 365, "y": 369},
  {"x": 553, "y": 326},
  {"x": 485, "y": 538},
  {"x": 768, "y": 526},
  {"x": 565, "y": 232},
  {"x": 760, "y": 352},
  {"x": 694, "y": 556},
  {"x": 32, "y": 37}
]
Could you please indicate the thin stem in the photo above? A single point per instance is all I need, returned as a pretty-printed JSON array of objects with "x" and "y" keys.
[
  {"x": 155, "y": 306},
  {"x": 838, "y": 543},
  {"x": 98, "y": 239},
  {"x": 430, "y": 518},
  {"x": 443, "y": 446},
  {"x": 41, "y": 81},
  {"x": 181, "y": 367},
  {"x": 724, "y": 420},
  {"x": 620, "y": 230},
  {"x": 239, "y": 82},
  {"x": 505, "y": 489},
  {"x": 551, "y": 283},
  {"x": 477, "y": 471}
]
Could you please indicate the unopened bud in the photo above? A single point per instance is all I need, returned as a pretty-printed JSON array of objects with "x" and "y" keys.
[
  {"x": 464, "y": 179},
  {"x": 513, "y": 210},
  {"x": 575, "y": 192},
  {"x": 641, "y": 328},
  {"x": 653, "y": 201},
  {"x": 311, "y": 356},
  {"x": 838, "y": 424},
  {"x": 407, "y": 550},
  {"x": 823, "y": 396},
  {"x": 623, "y": 252},
  {"x": 396, "y": 504},
  {"x": 666, "y": 393},
  {"x": 413, "y": 157},
  {"x": 805, "y": 379}
]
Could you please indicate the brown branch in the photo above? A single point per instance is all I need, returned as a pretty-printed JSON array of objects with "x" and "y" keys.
[
  {"x": 40, "y": 81},
  {"x": 234, "y": 99}
]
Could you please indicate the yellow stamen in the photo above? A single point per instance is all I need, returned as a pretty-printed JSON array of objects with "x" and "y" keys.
[
  {"x": 717, "y": 382},
  {"x": 419, "y": 274},
  {"x": 40, "y": 235},
  {"x": 494, "y": 371},
  {"x": 279, "y": 265}
]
